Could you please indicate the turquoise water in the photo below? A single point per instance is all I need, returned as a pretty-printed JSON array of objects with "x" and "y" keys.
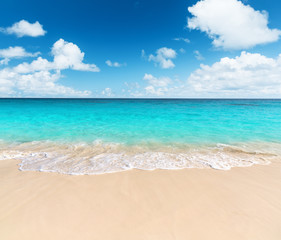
[{"x": 91, "y": 129}]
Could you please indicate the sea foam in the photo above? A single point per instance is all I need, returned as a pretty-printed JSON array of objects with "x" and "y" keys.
[{"x": 99, "y": 157}]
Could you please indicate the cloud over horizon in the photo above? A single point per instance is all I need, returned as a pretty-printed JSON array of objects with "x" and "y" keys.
[
  {"x": 156, "y": 86},
  {"x": 157, "y": 82},
  {"x": 40, "y": 76},
  {"x": 250, "y": 74},
  {"x": 107, "y": 92}
]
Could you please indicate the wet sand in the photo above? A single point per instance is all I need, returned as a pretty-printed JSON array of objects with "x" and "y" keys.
[{"x": 243, "y": 203}]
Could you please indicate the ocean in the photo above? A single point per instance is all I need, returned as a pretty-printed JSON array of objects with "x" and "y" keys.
[{"x": 95, "y": 136}]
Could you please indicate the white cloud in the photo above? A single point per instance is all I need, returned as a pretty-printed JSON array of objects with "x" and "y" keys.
[
  {"x": 40, "y": 77},
  {"x": 151, "y": 90},
  {"x": 14, "y": 52},
  {"x": 157, "y": 82},
  {"x": 231, "y": 24},
  {"x": 181, "y": 50},
  {"x": 249, "y": 75},
  {"x": 114, "y": 64},
  {"x": 143, "y": 55},
  {"x": 132, "y": 85},
  {"x": 45, "y": 83},
  {"x": 198, "y": 55},
  {"x": 66, "y": 56},
  {"x": 4, "y": 61},
  {"x": 40, "y": 64},
  {"x": 24, "y": 28},
  {"x": 186, "y": 40},
  {"x": 163, "y": 57},
  {"x": 156, "y": 86},
  {"x": 107, "y": 92},
  {"x": 39, "y": 83},
  {"x": 246, "y": 75}
]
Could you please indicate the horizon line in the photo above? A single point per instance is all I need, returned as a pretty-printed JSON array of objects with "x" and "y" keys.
[{"x": 71, "y": 98}]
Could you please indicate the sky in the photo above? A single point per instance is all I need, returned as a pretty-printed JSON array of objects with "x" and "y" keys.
[{"x": 140, "y": 49}]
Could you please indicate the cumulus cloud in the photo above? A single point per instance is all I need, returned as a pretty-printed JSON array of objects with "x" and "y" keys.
[
  {"x": 156, "y": 86},
  {"x": 40, "y": 77},
  {"x": 114, "y": 64},
  {"x": 107, "y": 92},
  {"x": 66, "y": 56},
  {"x": 132, "y": 85},
  {"x": 40, "y": 83},
  {"x": 24, "y": 28},
  {"x": 4, "y": 61},
  {"x": 198, "y": 55},
  {"x": 231, "y": 24},
  {"x": 181, "y": 50},
  {"x": 14, "y": 52},
  {"x": 163, "y": 57},
  {"x": 143, "y": 55},
  {"x": 186, "y": 40},
  {"x": 250, "y": 74},
  {"x": 151, "y": 90},
  {"x": 157, "y": 82}
]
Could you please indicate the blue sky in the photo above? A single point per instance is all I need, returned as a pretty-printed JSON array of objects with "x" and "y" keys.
[{"x": 207, "y": 48}]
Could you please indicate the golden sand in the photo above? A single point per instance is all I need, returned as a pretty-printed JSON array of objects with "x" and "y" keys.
[{"x": 243, "y": 203}]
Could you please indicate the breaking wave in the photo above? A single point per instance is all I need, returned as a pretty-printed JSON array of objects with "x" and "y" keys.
[{"x": 99, "y": 157}]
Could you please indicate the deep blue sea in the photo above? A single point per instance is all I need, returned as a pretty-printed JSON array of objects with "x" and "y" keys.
[{"x": 93, "y": 136}]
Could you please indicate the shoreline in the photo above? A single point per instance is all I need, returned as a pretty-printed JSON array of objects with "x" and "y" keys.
[
  {"x": 100, "y": 157},
  {"x": 242, "y": 203}
]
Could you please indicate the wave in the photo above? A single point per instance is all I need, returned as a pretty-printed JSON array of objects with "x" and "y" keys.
[{"x": 99, "y": 157}]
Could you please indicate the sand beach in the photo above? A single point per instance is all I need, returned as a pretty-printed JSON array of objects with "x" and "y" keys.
[{"x": 243, "y": 203}]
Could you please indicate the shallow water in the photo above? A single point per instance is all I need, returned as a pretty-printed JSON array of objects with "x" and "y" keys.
[{"x": 93, "y": 136}]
